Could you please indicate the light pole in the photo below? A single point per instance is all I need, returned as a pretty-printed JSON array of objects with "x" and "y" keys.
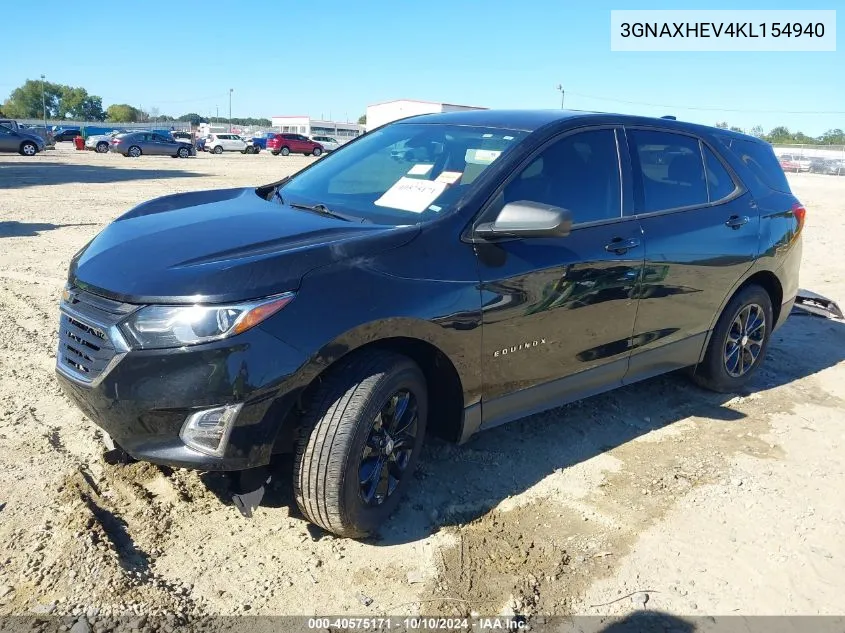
[
  {"x": 230, "y": 108},
  {"x": 560, "y": 87},
  {"x": 43, "y": 104}
]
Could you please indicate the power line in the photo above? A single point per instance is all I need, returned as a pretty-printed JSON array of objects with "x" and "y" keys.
[{"x": 704, "y": 108}]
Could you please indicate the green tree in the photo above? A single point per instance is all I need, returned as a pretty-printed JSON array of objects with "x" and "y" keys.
[
  {"x": 193, "y": 117},
  {"x": 123, "y": 113},
  {"x": 833, "y": 137},
  {"x": 25, "y": 101},
  {"x": 362, "y": 120},
  {"x": 76, "y": 103},
  {"x": 758, "y": 131},
  {"x": 734, "y": 128},
  {"x": 723, "y": 125}
]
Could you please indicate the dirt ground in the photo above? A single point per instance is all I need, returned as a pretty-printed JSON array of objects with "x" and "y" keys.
[{"x": 658, "y": 496}]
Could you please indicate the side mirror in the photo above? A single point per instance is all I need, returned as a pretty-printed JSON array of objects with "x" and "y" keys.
[{"x": 527, "y": 219}]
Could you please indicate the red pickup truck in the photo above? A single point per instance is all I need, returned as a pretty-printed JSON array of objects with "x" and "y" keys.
[{"x": 285, "y": 144}]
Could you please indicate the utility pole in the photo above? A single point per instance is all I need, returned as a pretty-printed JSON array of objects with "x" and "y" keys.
[
  {"x": 230, "y": 108},
  {"x": 43, "y": 105},
  {"x": 560, "y": 87}
]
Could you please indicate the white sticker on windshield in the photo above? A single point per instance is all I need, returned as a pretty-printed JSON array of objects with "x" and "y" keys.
[
  {"x": 419, "y": 170},
  {"x": 411, "y": 194},
  {"x": 508, "y": 138},
  {"x": 449, "y": 177},
  {"x": 487, "y": 136},
  {"x": 481, "y": 156}
]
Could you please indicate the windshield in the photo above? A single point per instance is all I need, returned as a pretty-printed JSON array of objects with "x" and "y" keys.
[{"x": 402, "y": 173}]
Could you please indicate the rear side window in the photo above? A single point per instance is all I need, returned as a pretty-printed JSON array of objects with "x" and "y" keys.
[
  {"x": 720, "y": 185},
  {"x": 761, "y": 161},
  {"x": 671, "y": 171}
]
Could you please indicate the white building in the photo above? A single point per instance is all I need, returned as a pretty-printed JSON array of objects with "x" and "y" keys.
[
  {"x": 314, "y": 127},
  {"x": 380, "y": 114}
]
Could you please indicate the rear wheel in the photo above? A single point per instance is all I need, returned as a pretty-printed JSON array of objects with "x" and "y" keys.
[
  {"x": 217, "y": 150},
  {"x": 102, "y": 147},
  {"x": 361, "y": 434},
  {"x": 28, "y": 148},
  {"x": 317, "y": 151},
  {"x": 134, "y": 151},
  {"x": 285, "y": 151},
  {"x": 738, "y": 343},
  {"x": 275, "y": 153}
]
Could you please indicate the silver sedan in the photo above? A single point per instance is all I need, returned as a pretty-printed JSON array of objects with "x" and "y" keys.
[{"x": 137, "y": 144}]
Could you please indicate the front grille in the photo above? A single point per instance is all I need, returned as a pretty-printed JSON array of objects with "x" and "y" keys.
[{"x": 88, "y": 344}]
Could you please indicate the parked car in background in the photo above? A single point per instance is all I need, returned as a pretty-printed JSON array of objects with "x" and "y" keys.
[
  {"x": 102, "y": 142},
  {"x": 181, "y": 135},
  {"x": 285, "y": 144},
  {"x": 830, "y": 166},
  {"x": 258, "y": 143},
  {"x": 326, "y": 329},
  {"x": 21, "y": 141},
  {"x": 219, "y": 143},
  {"x": 136, "y": 144},
  {"x": 329, "y": 143},
  {"x": 796, "y": 162},
  {"x": 66, "y": 134}
]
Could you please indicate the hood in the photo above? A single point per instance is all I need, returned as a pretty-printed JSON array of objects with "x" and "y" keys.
[{"x": 218, "y": 246}]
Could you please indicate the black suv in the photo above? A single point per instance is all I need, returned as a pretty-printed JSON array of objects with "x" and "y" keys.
[{"x": 510, "y": 262}]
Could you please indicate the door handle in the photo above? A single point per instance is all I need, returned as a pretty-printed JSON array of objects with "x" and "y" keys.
[
  {"x": 736, "y": 221},
  {"x": 620, "y": 245}
]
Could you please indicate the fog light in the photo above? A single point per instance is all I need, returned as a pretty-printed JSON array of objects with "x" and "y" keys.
[{"x": 208, "y": 431}]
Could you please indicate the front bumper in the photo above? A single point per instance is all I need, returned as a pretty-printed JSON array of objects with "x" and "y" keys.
[{"x": 143, "y": 400}]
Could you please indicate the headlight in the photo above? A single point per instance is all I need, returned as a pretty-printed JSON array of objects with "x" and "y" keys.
[{"x": 156, "y": 327}]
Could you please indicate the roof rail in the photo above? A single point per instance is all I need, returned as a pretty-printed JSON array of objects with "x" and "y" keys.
[{"x": 669, "y": 116}]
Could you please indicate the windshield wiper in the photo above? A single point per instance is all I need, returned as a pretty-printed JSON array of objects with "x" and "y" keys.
[{"x": 321, "y": 209}]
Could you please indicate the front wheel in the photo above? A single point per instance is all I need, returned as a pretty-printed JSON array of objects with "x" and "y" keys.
[
  {"x": 361, "y": 434},
  {"x": 183, "y": 152},
  {"x": 28, "y": 148},
  {"x": 738, "y": 343}
]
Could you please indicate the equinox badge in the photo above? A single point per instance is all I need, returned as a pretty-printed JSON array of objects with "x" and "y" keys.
[{"x": 517, "y": 348}]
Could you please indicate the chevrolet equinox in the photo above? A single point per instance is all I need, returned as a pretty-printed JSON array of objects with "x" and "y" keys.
[{"x": 506, "y": 263}]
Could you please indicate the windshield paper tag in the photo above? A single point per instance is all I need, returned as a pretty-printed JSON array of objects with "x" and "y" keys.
[
  {"x": 449, "y": 177},
  {"x": 482, "y": 156},
  {"x": 411, "y": 194},
  {"x": 419, "y": 170}
]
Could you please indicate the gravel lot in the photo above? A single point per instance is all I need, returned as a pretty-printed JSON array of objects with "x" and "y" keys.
[{"x": 658, "y": 495}]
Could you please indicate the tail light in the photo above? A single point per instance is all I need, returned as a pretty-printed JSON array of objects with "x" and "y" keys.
[{"x": 800, "y": 213}]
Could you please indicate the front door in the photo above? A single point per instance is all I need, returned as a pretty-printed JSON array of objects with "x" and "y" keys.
[
  {"x": 558, "y": 313},
  {"x": 701, "y": 232}
]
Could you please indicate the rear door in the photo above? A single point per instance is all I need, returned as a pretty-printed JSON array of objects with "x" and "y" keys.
[
  {"x": 9, "y": 140},
  {"x": 701, "y": 230},
  {"x": 558, "y": 313}
]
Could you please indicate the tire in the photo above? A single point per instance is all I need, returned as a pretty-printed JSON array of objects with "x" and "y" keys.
[
  {"x": 102, "y": 147},
  {"x": 275, "y": 153},
  {"x": 339, "y": 437},
  {"x": 183, "y": 152},
  {"x": 28, "y": 148},
  {"x": 285, "y": 151},
  {"x": 217, "y": 150},
  {"x": 721, "y": 370},
  {"x": 247, "y": 150},
  {"x": 134, "y": 151},
  {"x": 317, "y": 151}
]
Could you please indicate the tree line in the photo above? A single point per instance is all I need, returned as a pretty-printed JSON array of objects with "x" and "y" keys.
[
  {"x": 782, "y": 135},
  {"x": 59, "y": 101}
]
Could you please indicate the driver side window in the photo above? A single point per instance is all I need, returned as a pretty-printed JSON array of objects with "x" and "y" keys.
[{"x": 580, "y": 173}]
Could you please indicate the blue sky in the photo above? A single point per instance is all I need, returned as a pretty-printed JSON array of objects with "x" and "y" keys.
[{"x": 326, "y": 57}]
